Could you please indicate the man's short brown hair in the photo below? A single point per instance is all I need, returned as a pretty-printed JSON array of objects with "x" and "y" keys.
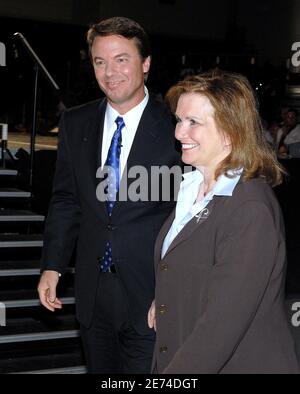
[{"x": 121, "y": 26}]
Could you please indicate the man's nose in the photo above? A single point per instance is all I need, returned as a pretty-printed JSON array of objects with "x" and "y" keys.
[{"x": 109, "y": 69}]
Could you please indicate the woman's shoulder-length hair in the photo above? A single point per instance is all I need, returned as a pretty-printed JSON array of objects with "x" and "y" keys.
[{"x": 236, "y": 115}]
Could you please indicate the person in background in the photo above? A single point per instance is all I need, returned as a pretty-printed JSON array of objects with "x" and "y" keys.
[
  {"x": 273, "y": 134},
  {"x": 290, "y": 131},
  {"x": 114, "y": 279},
  {"x": 220, "y": 258}
]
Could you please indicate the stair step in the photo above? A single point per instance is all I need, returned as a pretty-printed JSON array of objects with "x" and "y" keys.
[
  {"x": 34, "y": 302},
  {"x": 14, "y": 193},
  {"x": 40, "y": 336},
  {"x": 7, "y": 172},
  {"x": 19, "y": 264},
  {"x": 20, "y": 216},
  {"x": 20, "y": 272},
  {"x": 52, "y": 321},
  {"x": 44, "y": 323},
  {"x": 31, "y": 294},
  {"x": 80, "y": 370},
  {"x": 24, "y": 272},
  {"x": 21, "y": 241},
  {"x": 34, "y": 340},
  {"x": 42, "y": 355}
]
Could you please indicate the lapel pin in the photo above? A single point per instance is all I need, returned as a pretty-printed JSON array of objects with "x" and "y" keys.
[{"x": 204, "y": 214}]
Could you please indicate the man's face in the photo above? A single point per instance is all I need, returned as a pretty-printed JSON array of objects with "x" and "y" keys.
[
  {"x": 119, "y": 70},
  {"x": 291, "y": 119}
]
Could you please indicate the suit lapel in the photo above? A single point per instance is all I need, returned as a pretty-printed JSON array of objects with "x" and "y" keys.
[
  {"x": 146, "y": 136},
  {"x": 144, "y": 143},
  {"x": 99, "y": 126},
  {"x": 161, "y": 237},
  {"x": 191, "y": 226},
  {"x": 92, "y": 139},
  {"x": 91, "y": 149}
]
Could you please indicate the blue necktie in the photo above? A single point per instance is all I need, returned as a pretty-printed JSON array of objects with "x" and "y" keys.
[{"x": 113, "y": 180}]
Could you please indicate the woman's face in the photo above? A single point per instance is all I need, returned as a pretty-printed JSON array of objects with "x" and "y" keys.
[{"x": 203, "y": 145}]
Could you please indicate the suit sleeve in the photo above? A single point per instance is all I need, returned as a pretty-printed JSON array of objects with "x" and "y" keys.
[
  {"x": 62, "y": 224},
  {"x": 245, "y": 258}
]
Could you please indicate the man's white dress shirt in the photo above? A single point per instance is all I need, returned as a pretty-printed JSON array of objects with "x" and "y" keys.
[{"x": 131, "y": 119}]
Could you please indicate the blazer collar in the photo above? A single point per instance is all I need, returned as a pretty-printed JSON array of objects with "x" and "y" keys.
[
  {"x": 91, "y": 148},
  {"x": 147, "y": 134},
  {"x": 98, "y": 127},
  {"x": 144, "y": 142},
  {"x": 186, "y": 232},
  {"x": 92, "y": 138},
  {"x": 161, "y": 237}
]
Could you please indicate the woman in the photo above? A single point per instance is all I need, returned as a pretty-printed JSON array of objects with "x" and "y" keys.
[{"x": 220, "y": 257}]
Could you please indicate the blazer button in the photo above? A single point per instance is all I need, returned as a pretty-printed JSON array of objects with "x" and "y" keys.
[
  {"x": 110, "y": 227},
  {"x": 164, "y": 267},
  {"x": 162, "y": 309},
  {"x": 100, "y": 259},
  {"x": 163, "y": 349}
]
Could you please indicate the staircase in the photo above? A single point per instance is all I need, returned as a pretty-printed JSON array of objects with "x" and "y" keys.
[{"x": 33, "y": 339}]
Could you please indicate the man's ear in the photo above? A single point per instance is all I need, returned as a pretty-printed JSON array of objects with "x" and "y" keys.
[{"x": 146, "y": 64}]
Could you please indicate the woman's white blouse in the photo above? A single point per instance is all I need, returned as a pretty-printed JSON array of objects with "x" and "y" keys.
[{"x": 187, "y": 207}]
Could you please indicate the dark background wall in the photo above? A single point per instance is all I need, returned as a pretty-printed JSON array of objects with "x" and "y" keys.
[
  {"x": 193, "y": 18},
  {"x": 197, "y": 31},
  {"x": 270, "y": 26}
]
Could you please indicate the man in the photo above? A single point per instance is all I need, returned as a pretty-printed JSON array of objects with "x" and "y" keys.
[{"x": 114, "y": 282}]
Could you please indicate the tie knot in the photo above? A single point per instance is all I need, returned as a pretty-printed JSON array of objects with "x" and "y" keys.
[{"x": 120, "y": 122}]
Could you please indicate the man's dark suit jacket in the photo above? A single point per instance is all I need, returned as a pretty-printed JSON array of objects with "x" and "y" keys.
[
  {"x": 75, "y": 214},
  {"x": 220, "y": 290}
]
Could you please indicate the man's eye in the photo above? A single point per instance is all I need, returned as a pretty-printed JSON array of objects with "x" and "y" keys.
[
  {"x": 122, "y": 60},
  {"x": 99, "y": 62}
]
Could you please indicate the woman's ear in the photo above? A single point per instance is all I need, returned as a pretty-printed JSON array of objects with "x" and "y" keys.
[{"x": 226, "y": 141}]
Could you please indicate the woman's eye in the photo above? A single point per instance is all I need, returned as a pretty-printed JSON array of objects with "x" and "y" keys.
[{"x": 193, "y": 122}]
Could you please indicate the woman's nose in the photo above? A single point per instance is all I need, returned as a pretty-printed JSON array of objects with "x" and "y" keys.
[{"x": 180, "y": 131}]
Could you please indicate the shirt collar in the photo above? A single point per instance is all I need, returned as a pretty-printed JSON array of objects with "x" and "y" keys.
[
  {"x": 225, "y": 186},
  {"x": 189, "y": 188},
  {"x": 186, "y": 207},
  {"x": 131, "y": 118}
]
